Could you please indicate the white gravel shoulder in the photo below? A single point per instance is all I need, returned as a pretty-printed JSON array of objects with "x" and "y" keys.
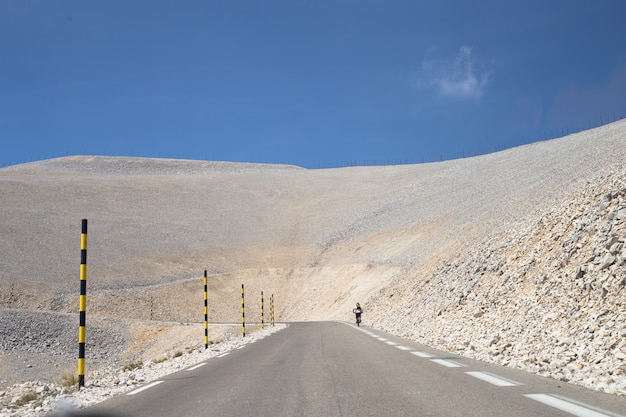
[{"x": 108, "y": 381}]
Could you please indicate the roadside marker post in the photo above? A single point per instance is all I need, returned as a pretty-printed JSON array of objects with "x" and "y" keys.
[
  {"x": 243, "y": 313},
  {"x": 206, "y": 314},
  {"x": 82, "y": 305},
  {"x": 262, "y": 312}
]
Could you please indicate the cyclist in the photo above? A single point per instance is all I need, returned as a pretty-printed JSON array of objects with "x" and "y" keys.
[{"x": 357, "y": 310}]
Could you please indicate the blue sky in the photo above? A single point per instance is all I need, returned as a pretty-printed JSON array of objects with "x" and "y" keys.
[{"x": 310, "y": 83}]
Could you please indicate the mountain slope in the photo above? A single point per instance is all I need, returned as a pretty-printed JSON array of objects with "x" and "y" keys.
[{"x": 447, "y": 253}]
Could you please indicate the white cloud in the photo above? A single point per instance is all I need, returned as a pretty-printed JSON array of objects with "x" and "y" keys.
[{"x": 455, "y": 78}]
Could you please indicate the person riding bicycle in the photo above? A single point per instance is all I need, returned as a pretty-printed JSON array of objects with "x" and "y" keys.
[{"x": 357, "y": 312}]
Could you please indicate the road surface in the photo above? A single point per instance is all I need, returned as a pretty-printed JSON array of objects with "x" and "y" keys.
[{"x": 337, "y": 369}]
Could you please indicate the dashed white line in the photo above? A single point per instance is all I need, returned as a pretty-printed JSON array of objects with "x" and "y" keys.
[
  {"x": 196, "y": 366},
  {"x": 222, "y": 355},
  {"x": 567, "y": 406},
  {"x": 493, "y": 379},
  {"x": 423, "y": 354},
  {"x": 447, "y": 363},
  {"x": 145, "y": 387}
]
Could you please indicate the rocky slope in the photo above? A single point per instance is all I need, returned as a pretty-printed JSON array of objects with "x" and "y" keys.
[{"x": 547, "y": 296}]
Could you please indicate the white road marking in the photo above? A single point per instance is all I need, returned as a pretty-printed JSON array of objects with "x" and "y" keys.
[
  {"x": 423, "y": 354},
  {"x": 389, "y": 342},
  {"x": 567, "y": 406},
  {"x": 222, "y": 355},
  {"x": 196, "y": 366},
  {"x": 403, "y": 347},
  {"x": 382, "y": 339},
  {"x": 447, "y": 363},
  {"x": 493, "y": 379},
  {"x": 582, "y": 404},
  {"x": 145, "y": 387}
]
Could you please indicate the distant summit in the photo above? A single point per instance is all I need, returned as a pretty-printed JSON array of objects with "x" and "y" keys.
[{"x": 138, "y": 166}]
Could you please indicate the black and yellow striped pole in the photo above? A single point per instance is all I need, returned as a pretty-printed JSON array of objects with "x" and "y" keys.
[
  {"x": 272, "y": 309},
  {"x": 262, "y": 312},
  {"x": 206, "y": 314},
  {"x": 243, "y": 313},
  {"x": 82, "y": 305}
]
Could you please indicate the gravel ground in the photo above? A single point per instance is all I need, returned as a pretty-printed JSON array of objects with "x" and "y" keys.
[{"x": 393, "y": 238}]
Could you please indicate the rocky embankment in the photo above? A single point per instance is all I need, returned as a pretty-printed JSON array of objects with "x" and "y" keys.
[{"x": 547, "y": 296}]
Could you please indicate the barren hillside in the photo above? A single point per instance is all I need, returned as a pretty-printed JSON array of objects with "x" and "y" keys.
[{"x": 516, "y": 257}]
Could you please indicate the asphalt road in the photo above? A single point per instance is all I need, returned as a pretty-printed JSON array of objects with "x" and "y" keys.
[{"x": 336, "y": 369}]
